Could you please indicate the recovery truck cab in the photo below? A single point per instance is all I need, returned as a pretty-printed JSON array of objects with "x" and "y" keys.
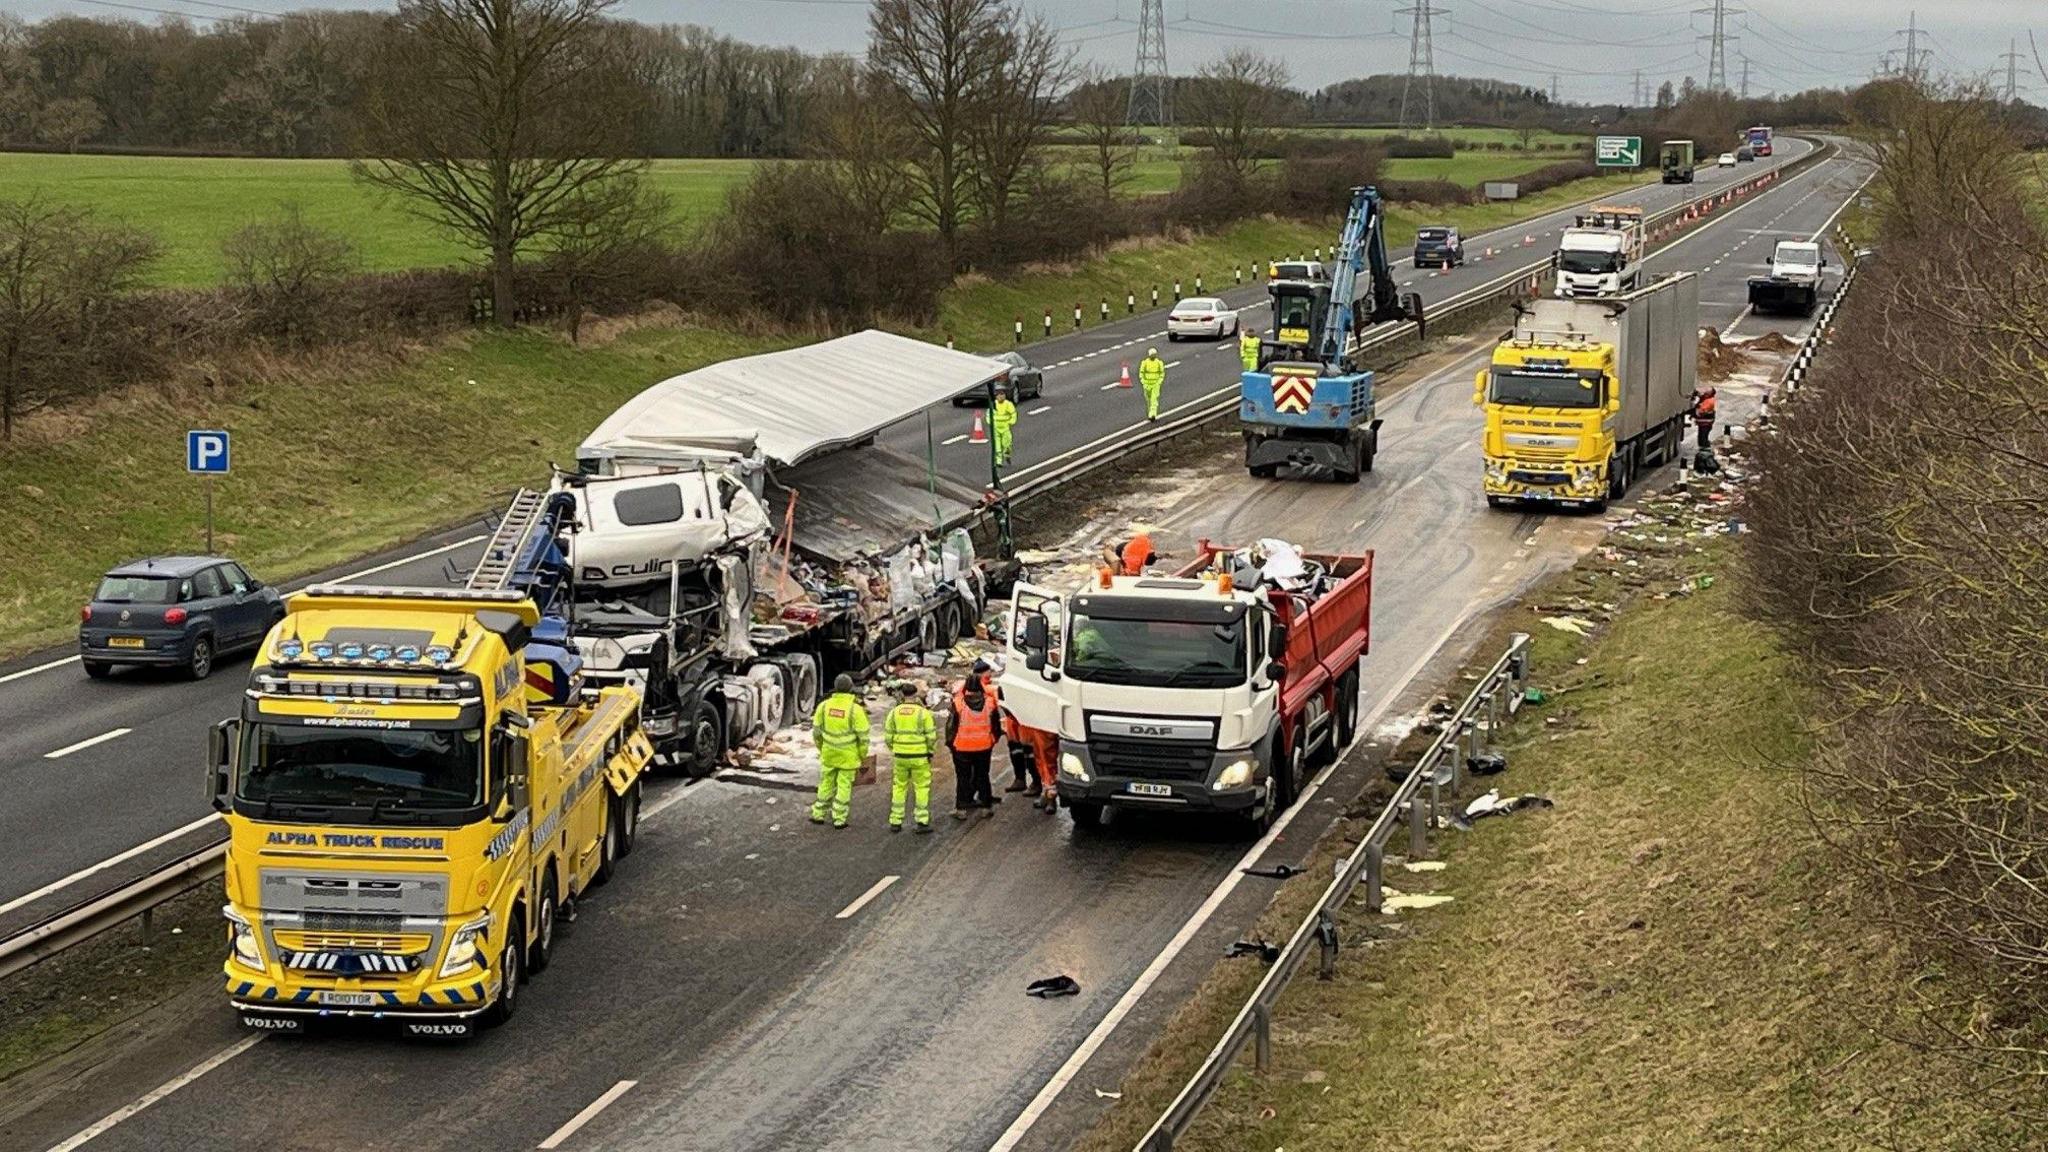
[
  {"x": 1794, "y": 282},
  {"x": 415, "y": 787},
  {"x": 1601, "y": 254},
  {"x": 1194, "y": 692},
  {"x": 1585, "y": 395}
]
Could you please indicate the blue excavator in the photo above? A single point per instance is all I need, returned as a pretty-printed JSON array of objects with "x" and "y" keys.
[{"x": 1308, "y": 404}]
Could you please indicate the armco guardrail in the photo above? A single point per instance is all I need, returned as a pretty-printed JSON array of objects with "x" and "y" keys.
[
  {"x": 85, "y": 921},
  {"x": 1436, "y": 776},
  {"x": 1668, "y": 225}
]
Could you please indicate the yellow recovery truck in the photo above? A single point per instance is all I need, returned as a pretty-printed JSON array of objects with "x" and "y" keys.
[
  {"x": 1585, "y": 395},
  {"x": 415, "y": 789}
]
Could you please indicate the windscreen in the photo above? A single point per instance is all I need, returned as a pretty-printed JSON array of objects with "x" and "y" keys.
[
  {"x": 1588, "y": 263},
  {"x": 394, "y": 771},
  {"x": 1156, "y": 653},
  {"x": 1799, "y": 257},
  {"x": 1528, "y": 389},
  {"x": 137, "y": 590}
]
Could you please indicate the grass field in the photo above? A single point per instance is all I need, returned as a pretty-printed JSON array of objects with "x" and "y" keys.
[
  {"x": 1471, "y": 169},
  {"x": 194, "y": 203},
  {"x": 1666, "y": 959}
]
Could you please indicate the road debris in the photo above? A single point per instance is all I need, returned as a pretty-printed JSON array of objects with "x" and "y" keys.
[
  {"x": 1052, "y": 987},
  {"x": 1261, "y": 948},
  {"x": 1276, "y": 872}
]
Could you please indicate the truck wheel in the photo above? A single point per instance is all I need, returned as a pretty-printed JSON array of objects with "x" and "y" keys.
[
  {"x": 608, "y": 843},
  {"x": 1347, "y": 709},
  {"x": 702, "y": 741},
  {"x": 1287, "y": 779},
  {"x": 1087, "y": 816},
  {"x": 629, "y": 824},
  {"x": 542, "y": 951},
  {"x": 511, "y": 973}
]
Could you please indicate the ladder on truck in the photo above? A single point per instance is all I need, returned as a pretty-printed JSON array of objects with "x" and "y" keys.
[{"x": 500, "y": 564}]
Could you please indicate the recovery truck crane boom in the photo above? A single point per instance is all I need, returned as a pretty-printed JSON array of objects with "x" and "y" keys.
[{"x": 1307, "y": 403}]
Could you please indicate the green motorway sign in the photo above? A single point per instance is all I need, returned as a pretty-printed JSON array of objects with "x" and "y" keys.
[{"x": 1618, "y": 151}]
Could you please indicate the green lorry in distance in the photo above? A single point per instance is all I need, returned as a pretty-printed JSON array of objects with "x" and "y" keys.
[{"x": 1676, "y": 159}]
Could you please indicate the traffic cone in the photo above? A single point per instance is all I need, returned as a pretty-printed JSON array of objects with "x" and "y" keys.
[
  {"x": 980, "y": 435},
  {"x": 1124, "y": 381}
]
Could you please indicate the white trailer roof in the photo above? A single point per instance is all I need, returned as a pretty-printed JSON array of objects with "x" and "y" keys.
[{"x": 790, "y": 405}]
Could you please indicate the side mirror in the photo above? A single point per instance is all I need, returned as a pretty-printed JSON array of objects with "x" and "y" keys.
[
  {"x": 1037, "y": 635},
  {"x": 220, "y": 759},
  {"x": 1276, "y": 670},
  {"x": 1034, "y": 661},
  {"x": 1479, "y": 387},
  {"x": 1614, "y": 403},
  {"x": 515, "y": 771},
  {"x": 1276, "y": 640}
]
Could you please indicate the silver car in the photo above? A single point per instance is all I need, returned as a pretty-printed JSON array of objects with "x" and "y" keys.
[{"x": 1201, "y": 317}]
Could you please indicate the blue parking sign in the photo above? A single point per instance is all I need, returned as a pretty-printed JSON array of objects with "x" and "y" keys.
[{"x": 206, "y": 451}]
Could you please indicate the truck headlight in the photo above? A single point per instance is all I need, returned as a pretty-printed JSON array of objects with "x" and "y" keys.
[
  {"x": 242, "y": 938},
  {"x": 462, "y": 950},
  {"x": 1236, "y": 774},
  {"x": 1072, "y": 766},
  {"x": 1497, "y": 471}
]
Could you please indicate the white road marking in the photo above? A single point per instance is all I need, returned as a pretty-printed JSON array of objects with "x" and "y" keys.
[
  {"x": 404, "y": 560},
  {"x": 1035, "y": 1110},
  {"x": 880, "y": 887},
  {"x": 107, "y": 1122},
  {"x": 954, "y": 440},
  {"x": 1040, "y": 410},
  {"x": 588, "y": 1114},
  {"x": 102, "y": 738},
  {"x": 58, "y": 663},
  {"x": 109, "y": 862}
]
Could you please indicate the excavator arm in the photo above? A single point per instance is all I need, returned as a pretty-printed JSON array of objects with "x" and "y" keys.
[{"x": 1362, "y": 250}]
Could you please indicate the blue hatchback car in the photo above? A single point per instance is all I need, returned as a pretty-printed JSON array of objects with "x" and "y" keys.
[{"x": 176, "y": 612}]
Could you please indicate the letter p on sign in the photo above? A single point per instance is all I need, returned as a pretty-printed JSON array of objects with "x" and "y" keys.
[{"x": 206, "y": 451}]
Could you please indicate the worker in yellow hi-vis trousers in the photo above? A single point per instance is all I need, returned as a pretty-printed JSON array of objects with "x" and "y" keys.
[
  {"x": 1004, "y": 424},
  {"x": 912, "y": 734},
  {"x": 1248, "y": 349},
  {"x": 1152, "y": 378},
  {"x": 840, "y": 730}
]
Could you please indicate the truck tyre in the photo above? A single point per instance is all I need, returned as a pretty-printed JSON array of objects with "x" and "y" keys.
[
  {"x": 629, "y": 826},
  {"x": 511, "y": 973},
  {"x": 541, "y": 952},
  {"x": 1087, "y": 816},
  {"x": 1287, "y": 774},
  {"x": 949, "y": 623},
  {"x": 608, "y": 842},
  {"x": 1347, "y": 709},
  {"x": 701, "y": 740}
]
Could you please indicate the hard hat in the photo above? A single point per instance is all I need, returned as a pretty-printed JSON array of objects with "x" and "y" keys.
[
  {"x": 842, "y": 683},
  {"x": 1151, "y": 351}
]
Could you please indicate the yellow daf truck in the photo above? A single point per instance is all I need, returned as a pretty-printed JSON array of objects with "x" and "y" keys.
[
  {"x": 1585, "y": 395},
  {"x": 416, "y": 787}
]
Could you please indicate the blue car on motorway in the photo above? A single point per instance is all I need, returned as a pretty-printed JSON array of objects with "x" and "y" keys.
[{"x": 174, "y": 611}]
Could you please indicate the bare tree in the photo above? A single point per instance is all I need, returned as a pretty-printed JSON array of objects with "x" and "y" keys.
[
  {"x": 1237, "y": 100},
  {"x": 69, "y": 122},
  {"x": 1097, "y": 106},
  {"x": 935, "y": 57},
  {"x": 598, "y": 233},
  {"x": 863, "y": 147},
  {"x": 60, "y": 269},
  {"x": 284, "y": 269},
  {"x": 1014, "y": 112},
  {"x": 494, "y": 116}
]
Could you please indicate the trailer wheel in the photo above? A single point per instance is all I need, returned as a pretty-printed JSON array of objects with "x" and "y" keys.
[{"x": 511, "y": 973}]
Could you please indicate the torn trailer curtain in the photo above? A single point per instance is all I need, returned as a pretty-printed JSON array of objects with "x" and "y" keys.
[
  {"x": 789, "y": 406},
  {"x": 865, "y": 503}
]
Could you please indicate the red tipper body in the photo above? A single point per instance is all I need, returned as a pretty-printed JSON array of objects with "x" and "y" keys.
[{"x": 1325, "y": 637}]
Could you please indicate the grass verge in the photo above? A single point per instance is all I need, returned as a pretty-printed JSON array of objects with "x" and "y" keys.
[{"x": 1663, "y": 960}]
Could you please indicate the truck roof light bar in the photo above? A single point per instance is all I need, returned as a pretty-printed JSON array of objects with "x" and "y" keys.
[{"x": 384, "y": 691}]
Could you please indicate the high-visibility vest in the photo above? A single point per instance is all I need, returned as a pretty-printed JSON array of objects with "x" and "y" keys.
[
  {"x": 977, "y": 730},
  {"x": 840, "y": 729},
  {"x": 1005, "y": 414},
  {"x": 1704, "y": 412},
  {"x": 1248, "y": 350},
  {"x": 1136, "y": 554},
  {"x": 911, "y": 731},
  {"x": 1151, "y": 371}
]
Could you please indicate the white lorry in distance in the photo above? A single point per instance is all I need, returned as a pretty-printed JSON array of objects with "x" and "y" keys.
[{"x": 1601, "y": 254}]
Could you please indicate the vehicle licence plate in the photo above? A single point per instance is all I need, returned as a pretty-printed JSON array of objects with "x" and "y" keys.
[
  {"x": 1140, "y": 788},
  {"x": 125, "y": 642},
  {"x": 349, "y": 999}
]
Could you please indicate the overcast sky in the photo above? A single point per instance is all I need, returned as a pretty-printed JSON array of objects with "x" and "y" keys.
[{"x": 1790, "y": 44}]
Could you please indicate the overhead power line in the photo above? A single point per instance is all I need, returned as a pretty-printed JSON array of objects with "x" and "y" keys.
[
  {"x": 1421, "y": 59},
  {"x": 1151, "y": 99},
  {"x": 1717, "y": 57}
]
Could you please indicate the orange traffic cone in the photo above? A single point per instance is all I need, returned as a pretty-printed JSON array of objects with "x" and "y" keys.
[
  {"x": 1124, "y": 381},
  {"x": 980, "y": 435}
]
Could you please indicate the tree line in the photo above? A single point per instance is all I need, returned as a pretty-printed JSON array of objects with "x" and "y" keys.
[{"x": 1899, "y": 547}]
